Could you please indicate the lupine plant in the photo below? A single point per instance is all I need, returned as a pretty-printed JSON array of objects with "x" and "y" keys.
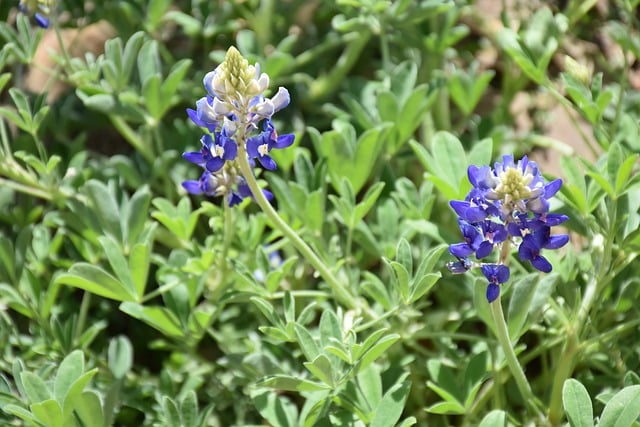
[{"x": 277, "y": 255}]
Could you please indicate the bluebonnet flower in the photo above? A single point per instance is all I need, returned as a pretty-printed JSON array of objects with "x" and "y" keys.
[
  {"x": 507, "y": 205},
  {"x": 259, "y": 146},
  {"x": 39, "y": 9},
  {"x": 496, "y": 274},
  {"x": 230, "y": 114},
  {"x": 225, "y": 182}
]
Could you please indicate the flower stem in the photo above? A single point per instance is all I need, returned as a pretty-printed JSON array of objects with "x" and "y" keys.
[
  {"x": 132, "y": 137},
  {"x": 502, "y": 334},
  {"x": 340, "y": 291}
]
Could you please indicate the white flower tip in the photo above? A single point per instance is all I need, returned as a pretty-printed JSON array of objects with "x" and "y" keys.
[{"x": 265, "y": 108}]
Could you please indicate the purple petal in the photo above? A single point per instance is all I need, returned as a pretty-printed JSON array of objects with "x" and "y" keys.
[
  {"x": 541, "y": 264},
  {"x": 554, "y": 219},
  {"x": 460, "y": 250},
  {"x": 484, "y": 250},
  {"x": 234, "y": 199},
  {"x": 268, "y": 194},
  {"x": 527, "y": 249},
  {"x": 194, "y": 157},
  {"x": 460, "y": 207},
  {"x": 252, "y": 146},
  {"x": 214, "y": 164},
  {"x": 267, "y": 162},
  {"x": 493, "y": 291},
  {"x": 230, "y": 150},
  {"x": 556, "y": 242},
  {"x": 552, "y": 188},
  {"x": 503, "y": 273},
  {"x": 192, "y": 187},
  {"x": 41, "y": 20},
  {"x": 284, "y": 141},
  {"x": 244, "y": 190}
]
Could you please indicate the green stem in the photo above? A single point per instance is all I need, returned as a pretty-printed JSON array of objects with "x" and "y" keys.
[
  {"x": 502, "y": 334},
  {"x": 340, "y": 291},
  {"x": 568, "y": 355},
  {"x": 223, "y": 268},
  {"x": 32, "y": 191},
  {"x": 132, "y": 137},
  {"x": 326, "y": 85}
]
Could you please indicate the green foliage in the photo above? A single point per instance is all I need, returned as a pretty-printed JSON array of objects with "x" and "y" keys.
[{"x": 124, "y": 301}]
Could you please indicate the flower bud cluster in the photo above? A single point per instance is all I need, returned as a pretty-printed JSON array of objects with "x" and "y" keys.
[
  {"x": 231, "y": 114},
  {"x": 507, "y": 205}
]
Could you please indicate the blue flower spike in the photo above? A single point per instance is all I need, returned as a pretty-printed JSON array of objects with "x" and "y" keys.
[
  {"x": 231, "y": 114},
  {"x": 38, "y": 9},
  {"x": 507, "y": 205}
]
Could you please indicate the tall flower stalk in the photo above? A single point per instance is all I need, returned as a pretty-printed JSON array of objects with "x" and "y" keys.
[
  {"x": 507, "y": 206},
  {"x": 239, "y": 133}
]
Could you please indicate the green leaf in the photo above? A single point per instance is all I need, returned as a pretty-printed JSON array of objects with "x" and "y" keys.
[
  {"x": 154, "y": 100},
  {"x": 88, "y": 408},
  {"x": 574, "y": 186},
  {"x": 170, "y": 411},
  {"x": 401, "y": 282},
  {"x": 510, "y": 43},
  {"x": 139, "y": 263},
  {"x": 624, "y": 172},
  {"x": 577, "y": 404},
  {"x": 277, "y": 410},
  {"x": 120, "y": 356},
  {"x": 521, "y": 297},
  {"x": 404, "y": 255},
  {"x": 102, "y": 102},
  {"x": 190, "y": 25},
  {"x": 374, "y": 288},
  {"x": 623, "y": 409},
  {"x": 322, "y": 369},
  {"x": 450, "y": 161},
  {"x": 369, "y": 381},
  {"x": 20, "y": 412},
  {"x": 189, "y": 409},
  {"x": 329, "y": 328},
  {"x": 423, "y": 285},
  {"x": 105, "y": 207},
  {"x": 159, "y": 318},
  {"x": 73, "y": 397},
  {"x": 289, "y": 304},
  {"x": 117, "y": 261},
  {"x": 148, "y": 61},
  {"x": 35, "y": 388},
  {"x": 287, "y": 383},
  {"x": 481, "y": 152},
  {"x": 368, "y": 201},
  {"x": 306, "y": 341},
  {"x": 453, "y": 408},
  {"x": 391, "y": 406},
  {"x": 377, "y": 350},
  {"x": 495, "y": 418},
  {"x": 49, "y": 413},
  {"x": 95, "y": 280},
  {"x": 70, "y": 369}
]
